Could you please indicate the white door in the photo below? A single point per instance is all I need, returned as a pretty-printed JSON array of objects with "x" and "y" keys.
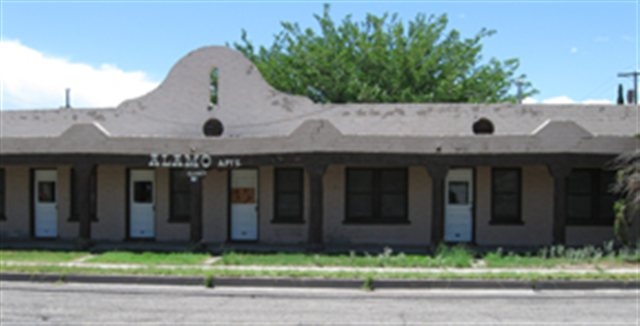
[
  {"x": 141, "y": 204},
  {"x": 244, "y": 204},
  {"x": 45, "y": 203},
  {"x": 458, "y": 206}
]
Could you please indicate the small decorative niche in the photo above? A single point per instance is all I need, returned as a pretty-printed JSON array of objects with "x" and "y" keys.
[
  {"x": 483, "y": 126},
  {"x": 213, "y": 89}
]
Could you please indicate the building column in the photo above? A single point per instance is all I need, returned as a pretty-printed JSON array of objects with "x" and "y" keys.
[
  {"x": 82, "y": 194},
  {"x": 195, "y": 193},
  {"x": 316, "y": 193},
  {"x": 438, "y": 174},
  {"x": 560, "y": 172}
]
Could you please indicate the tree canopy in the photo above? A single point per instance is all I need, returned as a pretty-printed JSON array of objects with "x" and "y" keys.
[
  {"x": 627, "y": 210},
  {"x": 381, "y": 59}
]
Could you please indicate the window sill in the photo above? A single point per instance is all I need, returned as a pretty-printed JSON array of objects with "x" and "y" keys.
[
  {"x": 506, "y": 223},
  {"x": 288, "y": 221},
  {"x": 376, "y": 222}
]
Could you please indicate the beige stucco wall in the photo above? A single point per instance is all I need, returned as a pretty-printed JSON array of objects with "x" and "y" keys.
[
  {"x": 214, "y": 206},
  {"x": 111, "y": 206},
  {"x": 17, "y": 223},
  {"x": 418, "y": 232},
  {"x": 166, "y": 231},
  {"x": 279, "y": 233},
  {"x": 588, "y": 235},
  {"x": 537, "y": 210}
]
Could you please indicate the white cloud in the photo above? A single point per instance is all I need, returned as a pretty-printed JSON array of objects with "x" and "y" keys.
[
  {"x": 574, "y": 50},
  {"x": 32, "y": 79},
  {"x": 559, "y": 100},
  {"x": 529, "y": 100}
]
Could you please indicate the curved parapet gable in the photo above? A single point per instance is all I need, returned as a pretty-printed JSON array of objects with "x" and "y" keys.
[{"x": 183, "y": 98}]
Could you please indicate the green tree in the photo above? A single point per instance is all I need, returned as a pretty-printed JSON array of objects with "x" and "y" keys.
[
  {"x": 383, "y": 60},
  {"x": 627, "y": 210}
]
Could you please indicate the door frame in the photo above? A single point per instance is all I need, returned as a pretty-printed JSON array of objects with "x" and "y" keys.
[
  {"x": 127, "y": 200},
  {"x": 32, "y": 202},
  {"x": 474, "y": 198},
  {"x": 258, "y": 206}
]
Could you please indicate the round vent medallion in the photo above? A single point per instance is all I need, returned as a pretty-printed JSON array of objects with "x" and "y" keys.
[{"x": 212, "y": 128}]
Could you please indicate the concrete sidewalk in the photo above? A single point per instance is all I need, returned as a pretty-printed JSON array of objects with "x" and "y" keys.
[
  {"x": 207, "y": 266},
  {"x": 320, "y": 281}
]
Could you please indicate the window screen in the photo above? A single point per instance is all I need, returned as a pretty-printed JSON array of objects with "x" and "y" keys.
[
  {"x": 376, "y": 195},
  {"x": 506, "y": 195},
  {"x": 288, "y": 195},
  {"x": 180, "y": 196}
]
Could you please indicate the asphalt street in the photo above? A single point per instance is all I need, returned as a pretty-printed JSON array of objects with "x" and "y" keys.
[{"x": 61, "y": 303}]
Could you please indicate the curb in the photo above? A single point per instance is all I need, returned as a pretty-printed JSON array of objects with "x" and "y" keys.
[{"x": 323, "y": 283}]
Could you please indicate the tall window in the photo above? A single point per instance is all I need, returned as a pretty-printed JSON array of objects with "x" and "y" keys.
[
  {"x": 180, "y": 201},
  {"x": 288, "y": 195},
  {"x": 376, "y": 196},
  {"x": 506, "y": 196},
  {"x": 93, "y": 193},
  {"x": 3, "y": 208},
  {"x": 589, "y": 197}
]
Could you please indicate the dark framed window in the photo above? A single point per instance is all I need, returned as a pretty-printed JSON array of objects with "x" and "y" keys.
[
  {"x": 376, "y": 196},
  {"x": 506, "y": 196},
  {"x": 180, "y": 197},
  {"x": 289, "y": 195},
  {"x": 3, "y": 203},
  {"x": 93, "y": 196},
  {"x": 589, "y": 197}
]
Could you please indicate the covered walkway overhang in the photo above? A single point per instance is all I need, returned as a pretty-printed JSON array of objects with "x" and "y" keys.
[{"x": 315, "y": 164}]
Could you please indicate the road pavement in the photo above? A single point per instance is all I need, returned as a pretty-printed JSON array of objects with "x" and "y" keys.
[{"x": 62, "y": 303}]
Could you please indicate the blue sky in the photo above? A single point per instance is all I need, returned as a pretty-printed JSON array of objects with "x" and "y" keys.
[{"x": 109, "y": 51}]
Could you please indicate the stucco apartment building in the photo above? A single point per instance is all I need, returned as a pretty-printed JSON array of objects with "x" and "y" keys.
[{"x": 275, "y": 169}]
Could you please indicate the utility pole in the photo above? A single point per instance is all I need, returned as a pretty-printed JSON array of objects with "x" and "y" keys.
[{"x": 633, "y": 74}]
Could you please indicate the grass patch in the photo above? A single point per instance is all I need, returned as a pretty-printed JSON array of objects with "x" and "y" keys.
[
  {"x": 149, "y": 258},
  {"x": 559, "y": 256},
  {"x": 445, "y": 257},
  {"x": 497, "y": 260},
  {"x": 212, "y": 274},
  {"x": 208, "y": 281},
  {"x": 40, "y": 255},
  {"x": 367, "y": 285}
]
